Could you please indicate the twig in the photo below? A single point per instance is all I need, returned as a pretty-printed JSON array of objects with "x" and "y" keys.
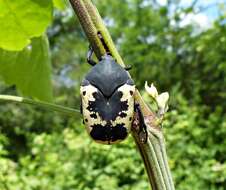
[{"x": 41, "y": 104}]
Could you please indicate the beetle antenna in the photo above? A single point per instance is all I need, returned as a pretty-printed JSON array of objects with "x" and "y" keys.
[{"x": 89, "y": 56}]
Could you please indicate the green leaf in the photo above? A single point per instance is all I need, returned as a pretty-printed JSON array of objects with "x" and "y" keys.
[
  {"x": 29, "y": 70},
  {"x": 59, "y": 4},
  {"x": 21, "y": 20}
]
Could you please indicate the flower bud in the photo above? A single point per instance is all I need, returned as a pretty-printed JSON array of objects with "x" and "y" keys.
[{"x": 152, "y": 91}]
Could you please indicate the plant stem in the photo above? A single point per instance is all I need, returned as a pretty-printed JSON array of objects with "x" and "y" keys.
[
  {"x": 41, "y": 104},
  {"x": 88, "y": 27},
  {"x": 153, "y": 152}
]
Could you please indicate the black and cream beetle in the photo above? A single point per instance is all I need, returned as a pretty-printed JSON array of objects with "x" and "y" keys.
[{"x": 107, "y": 100}]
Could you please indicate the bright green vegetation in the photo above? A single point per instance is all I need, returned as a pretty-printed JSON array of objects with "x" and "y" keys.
[
  {"x": 29, "y": 69},
  {"x": 42, "y": 150},
  {"x": 22, "y": 20}
]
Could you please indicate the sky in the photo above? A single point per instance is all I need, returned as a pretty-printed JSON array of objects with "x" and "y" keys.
[{"x": 206, "y": 17}]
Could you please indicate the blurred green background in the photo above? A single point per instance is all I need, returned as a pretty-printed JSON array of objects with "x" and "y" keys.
[{"x": 165, "y": 44}]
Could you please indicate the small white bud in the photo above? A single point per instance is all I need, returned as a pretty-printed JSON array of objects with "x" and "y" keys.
[
  {"x": 152, "y": 91},
  {"x": 162, "y": 101}
]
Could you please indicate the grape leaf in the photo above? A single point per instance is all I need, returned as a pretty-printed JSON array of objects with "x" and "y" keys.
[
  {"x": 29, "y": 70},
  {"x": 20, "y": 20}
]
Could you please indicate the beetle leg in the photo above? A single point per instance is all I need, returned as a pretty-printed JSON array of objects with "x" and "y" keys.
[
  {"x": 89, "y": 56},
  {"x": 103, "y": 43},
  {"x": 142, "y": 133},
  {"x": 128, "y": 67}
]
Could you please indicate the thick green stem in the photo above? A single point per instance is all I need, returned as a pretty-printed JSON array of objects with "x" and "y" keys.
[
  {"x": 100, "y": 27},
  {"x": 153, "y": 152},
  {"x": 154, "y": 155},
  {"x": 88, "y": 26},
  {"x": 41, "y": 104}
]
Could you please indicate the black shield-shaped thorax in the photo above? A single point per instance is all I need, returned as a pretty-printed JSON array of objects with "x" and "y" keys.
[{"x": 107, "y": 76}]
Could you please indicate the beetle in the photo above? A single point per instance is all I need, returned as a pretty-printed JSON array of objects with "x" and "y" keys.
[{"x": 107, "y": 100}]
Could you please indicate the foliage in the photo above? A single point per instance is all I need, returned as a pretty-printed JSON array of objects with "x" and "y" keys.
[
  {"x": 59, "y": 4},
  {"x": 23, "y": 24},
  {"x": 22, "y": 20},
  {"x": 29, "y": 69},
  {"x": 42, "y": 150}
]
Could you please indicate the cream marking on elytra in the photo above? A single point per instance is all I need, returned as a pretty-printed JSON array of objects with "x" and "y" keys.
[
  {"x": 127, "y": 95},
  {"x": 126, "y": 90},
  {"x": 85, "y": 103}
]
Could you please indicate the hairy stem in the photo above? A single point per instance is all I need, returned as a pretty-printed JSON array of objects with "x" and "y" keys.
[
  {"x": 41, "y": 104},
  {"x": 88, "y": 27}
]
